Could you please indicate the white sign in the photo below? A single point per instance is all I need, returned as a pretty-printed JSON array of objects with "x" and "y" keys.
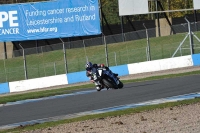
[
  {"x": 133, "y": 7},
  {"x": 196, "y": 4}
]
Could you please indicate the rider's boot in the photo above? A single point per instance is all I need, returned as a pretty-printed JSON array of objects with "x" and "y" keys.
[
  {"x": 98, "y": 85},
  {"x": 98, "y": 88}
]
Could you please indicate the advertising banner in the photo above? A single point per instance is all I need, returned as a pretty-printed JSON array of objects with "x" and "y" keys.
[{"x": 51, "y": 19}]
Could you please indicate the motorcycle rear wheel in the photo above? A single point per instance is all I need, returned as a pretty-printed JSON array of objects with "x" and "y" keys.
[{"x": 120, "y": 85}]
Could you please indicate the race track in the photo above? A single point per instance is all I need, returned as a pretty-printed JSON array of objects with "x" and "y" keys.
[{"x": 131, "y": 93}]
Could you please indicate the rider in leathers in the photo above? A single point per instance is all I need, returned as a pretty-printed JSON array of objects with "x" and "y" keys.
[{"x": 89, "y": 66}]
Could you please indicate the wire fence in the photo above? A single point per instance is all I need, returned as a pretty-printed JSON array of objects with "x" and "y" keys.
[{"x": 114, "y": 50}]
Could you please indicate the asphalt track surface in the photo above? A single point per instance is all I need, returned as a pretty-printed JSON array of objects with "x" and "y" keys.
[{"x": 131, "y": 93}]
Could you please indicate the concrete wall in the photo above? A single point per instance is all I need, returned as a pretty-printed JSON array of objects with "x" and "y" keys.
[
  {"x": 196, "y": 59},
  {"x": 38, "y": 83},
  {"x": 159, "y": 65},
  {"x": 4, "y": 88}
]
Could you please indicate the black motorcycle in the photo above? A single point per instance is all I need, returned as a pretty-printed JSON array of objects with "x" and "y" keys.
[{"x": 106, "y": 79}]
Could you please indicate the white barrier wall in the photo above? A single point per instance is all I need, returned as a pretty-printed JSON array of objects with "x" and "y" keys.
[
  {"x": 142, "y": 67},
  {"x": 37, "y": 83},
  {"x": 158, "y": 65}
]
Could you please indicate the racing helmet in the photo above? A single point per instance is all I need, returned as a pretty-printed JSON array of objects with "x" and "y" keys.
[{"x": 88, "y": 66}]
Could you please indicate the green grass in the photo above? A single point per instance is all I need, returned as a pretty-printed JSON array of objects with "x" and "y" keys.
[{"x": 52, "y": 63}]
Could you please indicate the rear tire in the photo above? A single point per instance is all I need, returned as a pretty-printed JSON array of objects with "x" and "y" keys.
[{"x": 120, "y": 85}]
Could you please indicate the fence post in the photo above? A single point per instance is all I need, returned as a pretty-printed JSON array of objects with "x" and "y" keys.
[
  {"x": 43, "y": 62},
  {"x": 64, "y": 51},
  {"x": 180, "y": 51},
  {"x": 5, "y": 51},
  {"x": 5, "y": 70},
  {"x": 86, "y": 58},
  {"x": 122, "y": 27},
  {"x": 115, "y": 58},
  {"x": 106, "y": 50},
  {"x": 55, "y": 68},
  {"x": 25, "y": 67},
  {"x": 127, "y": 53},
  {"x": 148, "y": 44},
  {"x": 85, "y": 51},
  {"x": 190, "y": 37},
  {"x": 195, "y": 18}
]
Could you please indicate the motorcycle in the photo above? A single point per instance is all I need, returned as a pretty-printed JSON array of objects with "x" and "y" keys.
[{"x": 106, "y": 79}]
